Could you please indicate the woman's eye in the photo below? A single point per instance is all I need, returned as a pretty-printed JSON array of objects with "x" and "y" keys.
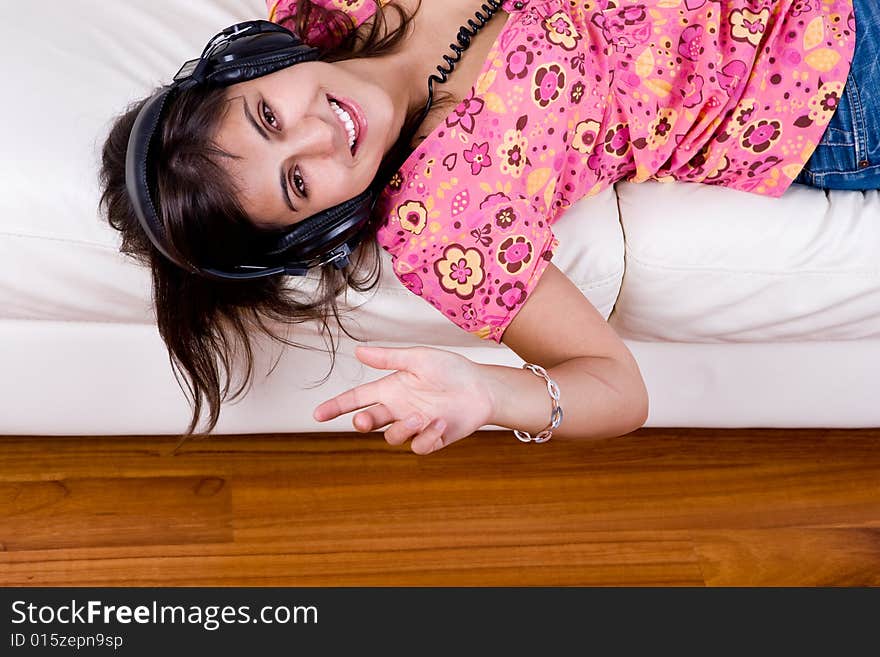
[
  {"x": 300, "y": 183},
  {"x": 269, "y": 116}
]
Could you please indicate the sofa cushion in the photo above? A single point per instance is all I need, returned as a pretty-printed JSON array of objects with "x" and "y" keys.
[
  {"x": 706, "y": 264},
  {"x": 72, "y": 66}
]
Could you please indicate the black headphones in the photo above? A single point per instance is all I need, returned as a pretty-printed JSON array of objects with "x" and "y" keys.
[{"x": 242, "y": 52}]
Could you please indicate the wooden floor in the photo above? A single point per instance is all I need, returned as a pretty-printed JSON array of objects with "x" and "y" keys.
[{"x": 657, "y": 507}]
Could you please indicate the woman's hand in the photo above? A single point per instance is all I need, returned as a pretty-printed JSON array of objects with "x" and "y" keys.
[{"x": 435, "y": 397}]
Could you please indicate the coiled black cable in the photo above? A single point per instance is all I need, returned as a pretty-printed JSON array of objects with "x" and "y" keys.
[
  {"x": 464, "y": 37},
  {"x": 400, "y": 151}
]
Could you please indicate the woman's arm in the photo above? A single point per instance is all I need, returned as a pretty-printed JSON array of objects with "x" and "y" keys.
[
  {"x": 602, "y": 392},
  {"x": 447, "y": 396}
]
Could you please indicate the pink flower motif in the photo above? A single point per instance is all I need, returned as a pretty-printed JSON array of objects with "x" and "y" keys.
[
  {"x": 617, "y": 140},
  {"x": 518, "y": 63},
  {"x": 511, "y": 295},
  {"x": 693, "y": 95},
  {"x": 459, "y": 271},
  {"x": 464, "y": 113},
  {"x": 561, "y": 26},
  {"x": 690, "y": 43},
  {"x": 754, "y": 27},
  {"x": 514, "y": 253},
  {"x": 761, "y": 135},
  {"x": 732, "y": 76},
  {"x": 412, "y": 282},
  {"x": 478, "y": 156},
  {"x": 547, "y": 83}
]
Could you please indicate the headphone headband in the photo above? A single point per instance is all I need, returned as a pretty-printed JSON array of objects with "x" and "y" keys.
[{"x": 242, "y": 52}]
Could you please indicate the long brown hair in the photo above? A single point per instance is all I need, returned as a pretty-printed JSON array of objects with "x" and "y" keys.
[{"x": 206, "y": 324}]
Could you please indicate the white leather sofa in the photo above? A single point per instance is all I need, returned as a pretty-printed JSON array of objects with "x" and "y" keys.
[{"x": 742, "y": 311}]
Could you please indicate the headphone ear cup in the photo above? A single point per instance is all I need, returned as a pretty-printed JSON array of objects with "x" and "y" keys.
[
  {"x": 325, "y": 230},
  {"x": 258, "y": 55}
]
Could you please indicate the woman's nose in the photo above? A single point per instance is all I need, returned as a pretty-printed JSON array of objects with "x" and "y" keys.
[{"x": 314, "y": 136}]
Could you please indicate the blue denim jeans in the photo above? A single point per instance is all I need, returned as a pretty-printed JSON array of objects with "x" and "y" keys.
[{"x": 848, "y": 155}]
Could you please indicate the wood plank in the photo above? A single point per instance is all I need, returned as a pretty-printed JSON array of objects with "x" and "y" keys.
[
  {"x": 643, "y": 559},
  {"x": 660, "y": 506},
  {"x": 97, "y": 512},
  {"x": 846, "y": 556}
]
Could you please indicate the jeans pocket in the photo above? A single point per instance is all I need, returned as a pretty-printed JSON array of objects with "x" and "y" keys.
[{"x": 837, "y": 150}]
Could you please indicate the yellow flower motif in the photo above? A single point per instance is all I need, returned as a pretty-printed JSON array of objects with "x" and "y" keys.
[
  {"x": 585, "y": 134},
  {"x": 412, "y": 216},
  {"x": 460, "y": 270},
  {"x": 825, "y": 102},
  {"x": 561, "y": 31},
  {"x": 512, "y": 153},
  {"x": 721, "y": 167},
  {"x": 349, "y": 5},
  {"x": 748, "y": 26},
  {"x": 661, "y": 128}
]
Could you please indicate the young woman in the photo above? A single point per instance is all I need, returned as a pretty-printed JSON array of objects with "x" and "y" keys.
[{"x": 551, "y": 102}]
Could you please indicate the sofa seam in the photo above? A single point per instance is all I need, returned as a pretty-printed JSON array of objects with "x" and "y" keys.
[
  {"x": 798, "y": 272},
  {"x": 66, "y": 240}
]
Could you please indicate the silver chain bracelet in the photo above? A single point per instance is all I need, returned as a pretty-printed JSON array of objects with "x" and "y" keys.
[{"x": 555, "y": 415}]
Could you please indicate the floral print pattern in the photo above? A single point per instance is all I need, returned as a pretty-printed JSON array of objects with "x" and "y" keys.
[
  {"x": 749, "y": 26},
  {"x": 512, "y": 152},
  {"x": 561, "y": 30},
  {"x": 465, "y": 112},
  {"x": 460, "y": 270},
  {"x": 518, "y": 62},
  {"x": 826, "y": 101},
  {"x": 412, "y": 216},
  {"x": 548, "y": 82},
  {"x": 761, "y": 135},
  {"x": 576, "y": 95}
]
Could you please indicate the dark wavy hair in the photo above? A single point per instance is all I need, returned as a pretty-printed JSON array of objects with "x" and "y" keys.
[{"x": 207, "y": 324}]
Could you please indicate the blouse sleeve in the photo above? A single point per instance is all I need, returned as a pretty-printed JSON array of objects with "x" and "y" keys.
[
  {"x": 324, "y": 33},
  {"x": 477, "y": 268}
]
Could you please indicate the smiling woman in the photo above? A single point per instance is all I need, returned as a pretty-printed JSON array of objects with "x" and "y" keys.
[
  {"x": 555, "y": 102},
  {"x": 234, "y": 166},
  {"x": 297, "y": 148}
]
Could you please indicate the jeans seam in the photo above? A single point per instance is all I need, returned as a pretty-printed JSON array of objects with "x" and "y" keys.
[{"x": 858, "y": 121}]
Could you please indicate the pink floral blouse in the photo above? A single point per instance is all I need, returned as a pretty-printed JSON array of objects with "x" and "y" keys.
[{"x": 579, "y": 94}]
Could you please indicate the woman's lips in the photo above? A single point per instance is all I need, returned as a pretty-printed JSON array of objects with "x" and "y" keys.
[{"x": 360, "y": 122}]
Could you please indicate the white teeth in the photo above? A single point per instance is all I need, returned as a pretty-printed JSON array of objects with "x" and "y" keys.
[{"x": 346, "y": 120}]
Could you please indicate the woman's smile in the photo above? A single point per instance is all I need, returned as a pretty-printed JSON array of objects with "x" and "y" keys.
[
  {"x": 352, "y": 119},
  {"x": 297, "y": 148}
]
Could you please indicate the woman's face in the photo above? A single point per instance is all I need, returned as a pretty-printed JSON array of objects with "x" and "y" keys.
[{"x": 294, "y": 148}]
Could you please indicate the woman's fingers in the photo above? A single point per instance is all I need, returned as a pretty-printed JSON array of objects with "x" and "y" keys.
[
  {"x": 387, "y": 358},
  {"x": 350, "y": 400},
  {"x": 372, "y": 418},
  {"x": 431, "y": 439},
  {"x": 402, "y": 430}
]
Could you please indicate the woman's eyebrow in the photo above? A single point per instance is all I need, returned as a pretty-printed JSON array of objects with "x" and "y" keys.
[
  {"x": 285, "y": 194},
  {"x": 250, "y": 117},
  {"x": 282, "y": 179}
]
